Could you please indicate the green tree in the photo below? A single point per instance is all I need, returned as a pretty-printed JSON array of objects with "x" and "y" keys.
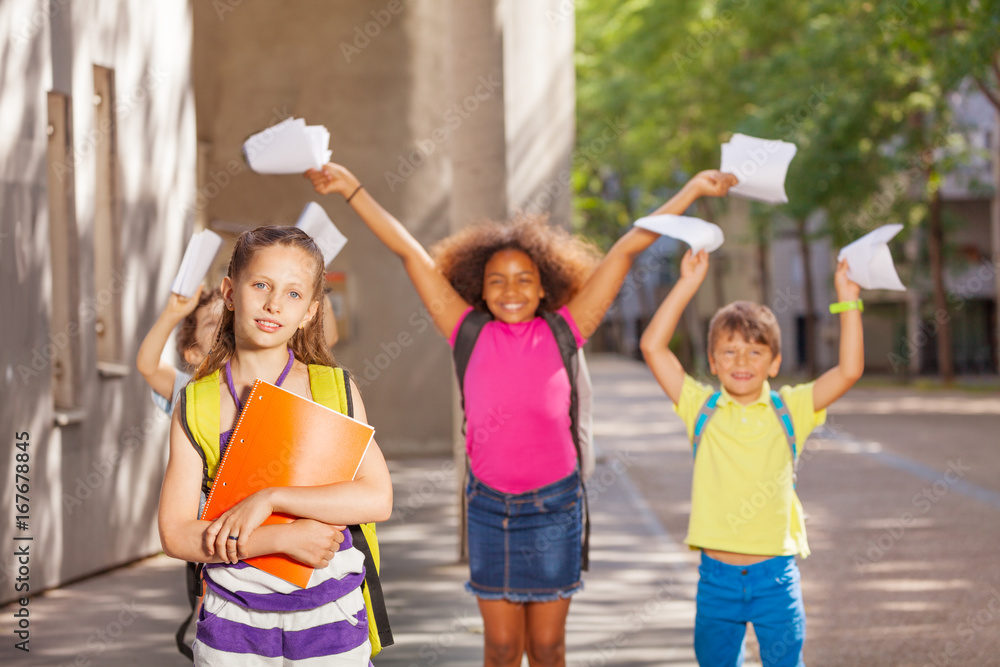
[{"x": 858, "y": 89}]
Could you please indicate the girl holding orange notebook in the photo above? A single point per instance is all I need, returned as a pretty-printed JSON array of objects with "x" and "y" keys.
[
  {"x": 271, "y": 329},
  {"x": 524, "y": 494}
]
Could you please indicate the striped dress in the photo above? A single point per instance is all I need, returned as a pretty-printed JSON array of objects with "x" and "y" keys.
[{"x": 251, "y": 618}]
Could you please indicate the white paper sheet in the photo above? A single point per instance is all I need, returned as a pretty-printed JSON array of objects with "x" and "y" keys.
[
  {"x": 760, "y": 165},
  {"x": 697, "y": 233},
  {"x": 290, "y": 147},
  {"x": 198, "y": 256},
  {"x": 869, "y": 262},
  {"x": 316, "y": 223}
]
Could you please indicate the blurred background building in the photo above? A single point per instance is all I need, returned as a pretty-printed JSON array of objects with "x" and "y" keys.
[{"x": 123, "y": 122}]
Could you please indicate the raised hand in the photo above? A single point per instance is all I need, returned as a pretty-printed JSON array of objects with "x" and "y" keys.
[
  {"x": 178, "y": 307},
  {"x": 694, "y": 267},
  {"x": 331, "y": 178},
  {"x": 847, "y": 289},
  {"x": 713, "y": 183}
]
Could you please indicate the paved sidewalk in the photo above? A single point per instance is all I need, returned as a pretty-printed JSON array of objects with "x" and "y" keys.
[{"x": 637, "y": 607}]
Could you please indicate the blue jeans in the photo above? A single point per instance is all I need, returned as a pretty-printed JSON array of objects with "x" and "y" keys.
[
  {"x": 525, "y": 547},
  {"x": 767, "y": 594}
]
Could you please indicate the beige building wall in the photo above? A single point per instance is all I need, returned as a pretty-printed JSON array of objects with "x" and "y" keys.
[
  {"x": 92, "y": 230},
  {"x": 448, "y": 112}
]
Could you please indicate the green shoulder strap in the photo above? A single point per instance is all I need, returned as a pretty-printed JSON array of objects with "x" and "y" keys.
[{"x": 200, "y": 418}]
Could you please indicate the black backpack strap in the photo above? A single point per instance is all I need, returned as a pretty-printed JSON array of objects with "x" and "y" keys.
[
  {"x": 465, "y": 340},
  {"x": 371, "y": 572},
  {"x": 194, "y": 590},
  {"x": 374, "y": 587},
  {"x": 568, "y": 350}
]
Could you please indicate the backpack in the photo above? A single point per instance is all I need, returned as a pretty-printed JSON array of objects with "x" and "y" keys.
[
  {"x": 330, "y": 387},
  {"x": 581, "y": 393},
  {"x": 780, "y": 408}
]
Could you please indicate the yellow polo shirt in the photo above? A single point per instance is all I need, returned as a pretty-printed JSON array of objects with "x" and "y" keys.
[{"x": 742, "y": 495}]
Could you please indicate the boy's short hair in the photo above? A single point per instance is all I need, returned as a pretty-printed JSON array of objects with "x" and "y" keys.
[{"x": 754, "y": 322}]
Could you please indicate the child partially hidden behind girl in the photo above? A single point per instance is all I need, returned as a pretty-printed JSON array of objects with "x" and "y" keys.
[{"x": 270, "y": 330}]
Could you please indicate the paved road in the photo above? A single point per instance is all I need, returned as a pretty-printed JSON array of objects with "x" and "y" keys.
[
  {"x": 903, "y": 497},
  {"x": 902, "y": 490}
]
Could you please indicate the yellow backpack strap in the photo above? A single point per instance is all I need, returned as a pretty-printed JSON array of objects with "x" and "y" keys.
[
  {"x": 329, "y": 387},
  {"x": 200, "y": 418}
]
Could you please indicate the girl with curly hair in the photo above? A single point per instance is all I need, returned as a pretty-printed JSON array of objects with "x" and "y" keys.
[{"x": 524, "y": 493}]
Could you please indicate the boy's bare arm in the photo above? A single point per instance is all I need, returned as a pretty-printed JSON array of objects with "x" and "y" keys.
[
  {"x": 835, "y": 382},
  {"x": 655, "y": 342}
]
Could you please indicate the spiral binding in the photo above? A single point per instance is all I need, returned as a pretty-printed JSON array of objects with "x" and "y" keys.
[{"x": 229, "y": 447}]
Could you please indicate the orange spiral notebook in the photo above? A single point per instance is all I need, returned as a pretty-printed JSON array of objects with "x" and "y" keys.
[{"x": 282, "y": 439}]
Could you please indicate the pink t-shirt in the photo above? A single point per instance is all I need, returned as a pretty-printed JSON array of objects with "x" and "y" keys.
[{"x": 517, "y": 393}]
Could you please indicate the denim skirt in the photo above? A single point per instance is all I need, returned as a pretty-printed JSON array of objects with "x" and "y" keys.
[{"x": 525, "y": 547}]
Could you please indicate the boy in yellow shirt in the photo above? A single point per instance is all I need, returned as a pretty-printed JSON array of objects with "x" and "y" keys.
[{"x": 745, "y": 516}]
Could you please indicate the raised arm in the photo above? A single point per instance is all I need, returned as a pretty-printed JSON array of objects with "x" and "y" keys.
[
  {"x": 442, "y": 301},
  {"x": 834, "y": 383},
  {"x": 655, "y": 342},
  {"x": 159, "y": 374},
  {"x": 598, "y": 293},
  {"x": 367, "y": 498}
]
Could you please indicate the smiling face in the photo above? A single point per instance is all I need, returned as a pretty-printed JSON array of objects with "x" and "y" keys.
[
  {"x": 512, "y": 286},
  {"x": 272, "y": 297},
  {"x": 741, "y": 366}
]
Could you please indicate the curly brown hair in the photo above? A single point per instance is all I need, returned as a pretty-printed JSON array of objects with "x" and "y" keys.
[{"x": 564, "y": 261}]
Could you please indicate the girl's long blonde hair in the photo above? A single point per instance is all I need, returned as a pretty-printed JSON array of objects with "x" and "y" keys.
[{"x": 308, "y": 343}]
